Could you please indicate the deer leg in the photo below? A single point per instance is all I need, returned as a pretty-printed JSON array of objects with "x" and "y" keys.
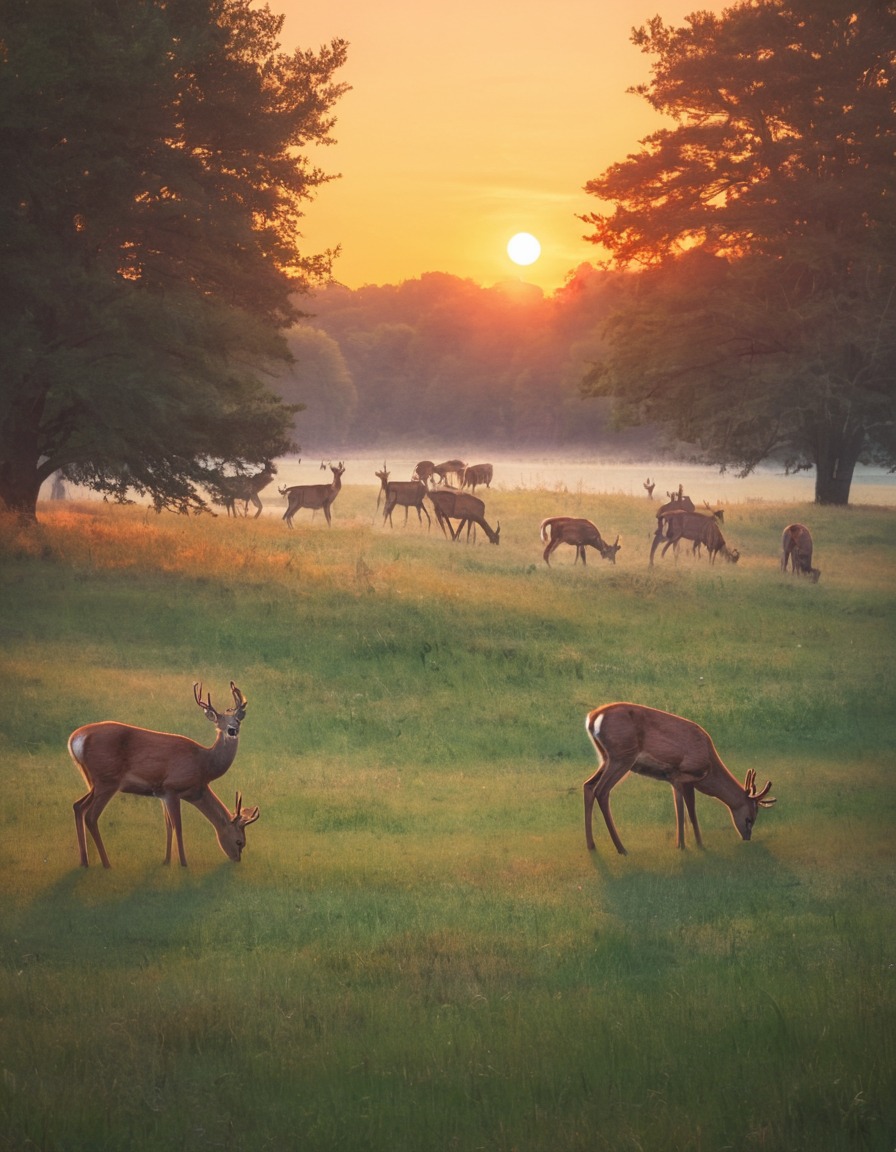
[
  {"x": 171, "y": 805},
  {"x": 598, "y": 787},
  {"x": 550, "y": 548},
  {"x": 258, "y": 504},
  {"x": 79, "y": 808},
  {"x": 679, "y": 817},
  {"x": 687, "y": 791},
  {"x": 91, "y": 812},
  {"x": 656, "y": 543}
]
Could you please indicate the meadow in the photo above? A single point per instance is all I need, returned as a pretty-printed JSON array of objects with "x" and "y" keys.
[{"x": 417, "y": 951}]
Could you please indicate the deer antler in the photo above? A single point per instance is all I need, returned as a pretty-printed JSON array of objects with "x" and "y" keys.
[
  {"x": 205, "y": 705},
  {"x": 240, "y": 702}
]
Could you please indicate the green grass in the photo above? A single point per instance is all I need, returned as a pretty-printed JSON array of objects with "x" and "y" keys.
[{"x": 417, "y": 951}]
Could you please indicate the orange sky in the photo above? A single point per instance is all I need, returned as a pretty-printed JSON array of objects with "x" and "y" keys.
[{"x": 469, "y": 121}]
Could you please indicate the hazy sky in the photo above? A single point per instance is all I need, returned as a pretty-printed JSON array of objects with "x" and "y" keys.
[{"x": 469, "y": 121}]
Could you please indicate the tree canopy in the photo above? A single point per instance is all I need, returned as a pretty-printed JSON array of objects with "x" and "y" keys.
[
  {"x": 761, "y": 320},
  {"x": 153, "y": 176}
]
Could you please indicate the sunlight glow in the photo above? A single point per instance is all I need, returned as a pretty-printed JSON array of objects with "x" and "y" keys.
[{"x": 523, "y": 248}]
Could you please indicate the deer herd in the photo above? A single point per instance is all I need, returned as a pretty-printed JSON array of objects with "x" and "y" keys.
[
  {"x": 450, "y": 488},
  {"x": 114, "y": 757}
]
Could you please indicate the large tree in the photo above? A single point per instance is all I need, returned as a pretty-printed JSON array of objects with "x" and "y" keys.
[
  {"x": 153, "y": 173},
  {"x": 760, "y": 232}
]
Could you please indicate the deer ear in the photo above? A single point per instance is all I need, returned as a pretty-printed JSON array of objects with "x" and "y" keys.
[{"x": 249, "y": 816}]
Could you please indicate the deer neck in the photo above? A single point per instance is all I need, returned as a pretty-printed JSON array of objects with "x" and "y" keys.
[
  {"x": 720, "y": 784},
  {"x": 221, "y": 756},
  {"x": 213, "y": 809}
]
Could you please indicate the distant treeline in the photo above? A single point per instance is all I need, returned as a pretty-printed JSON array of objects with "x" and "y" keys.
[{"x": 441, "y": 358}]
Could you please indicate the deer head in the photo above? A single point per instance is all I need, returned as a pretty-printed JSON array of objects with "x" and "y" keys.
[
  {"x": 744, "y": 814},
  {"x": 608, "y": 551},
  {"x": 232, "y": 837},
  {"x": 227, "y": 722}
]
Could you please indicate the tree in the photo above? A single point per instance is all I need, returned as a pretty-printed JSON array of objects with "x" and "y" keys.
[
  {"x": 763, "y": 320},
  {"x": 152, "y": 179},
  {"x": 320, "y": 382}
]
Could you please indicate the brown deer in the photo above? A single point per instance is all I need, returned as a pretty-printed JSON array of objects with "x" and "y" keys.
[
  {"x": 649, "y": 485},
  {"x": 406, "y": 494},
  {"x": 313, "y": 496},
  {"x": 796, "y": 546},
  {"x": 246, "y": 488},
  {"x": 696, "y": 527},
  {"x": 557, "y": 530},
  {"x": 229, "y": 826},
  {"x": 449, "y": 504},
  {"x": 448, "y": 468},
  {"x": 383, "y": 478},
  {"x": 662, "y": 746},
  {"x": 114, "y": 757},
  {"x": 475, "y": 474},
  {"x": 424, "y": 471}
]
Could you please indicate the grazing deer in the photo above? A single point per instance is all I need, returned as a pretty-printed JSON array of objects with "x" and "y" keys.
[
  {"x": 246, "y": 488},
  {"x": 475, "y": 474},
  {"x": 557, "y": 530},
  {"x": 649, "y": 485},
  {"x": 313, "y": 496},
  {"x": 424, "y": 471},
  {"x": 696, "y": 527},
  {"x": 229, "y": 826},
  {"x": 796, "y": 546},
  {"x": 114, "y": 757},
  {"x": 662, "y": 746},
  {"x": 449, "y": 504},
  {"x": 448, "y": 468},
  {"x": 406, "y": 494}
]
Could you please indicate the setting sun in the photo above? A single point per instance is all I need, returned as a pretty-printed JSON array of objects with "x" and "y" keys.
[{"x": 523, "y": 248}]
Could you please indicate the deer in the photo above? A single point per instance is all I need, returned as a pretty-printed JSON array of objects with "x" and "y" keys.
[
  {"x": 649, "y": 486},
  {"x": 229, "y": 826},
  {"x": 313, "y": 496},
  {"x": 448, "y": 468},
  {"x": 796, "y": 546},
  {"x": 663, "y": 746},
  {"x": 114, "y": 757},
  {"x": 246, "y": 488},
  {"x": 557, "y": 530},
  {"x": 383, "y": 478},
  {"x": 475, "y": 474},
  {"x": 696, "y": 527},
  {"x": 406, "y": 494},
  {"x": 449, "y": 504},
  {"x": 423, "y": 471}
]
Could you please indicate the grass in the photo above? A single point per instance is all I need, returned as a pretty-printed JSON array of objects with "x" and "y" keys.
[{"x": 417, "y": 950}]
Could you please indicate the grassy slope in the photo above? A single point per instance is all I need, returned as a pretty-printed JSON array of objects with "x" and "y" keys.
[{"x": 417, "y": 950}]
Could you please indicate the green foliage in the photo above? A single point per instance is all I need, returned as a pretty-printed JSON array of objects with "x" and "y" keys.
[
  {"x": 417, "y": 949},
  {"x": 498, "y": 365},
  {"x": 150, "y": 200},
  {"x": 764, "y": 325}
]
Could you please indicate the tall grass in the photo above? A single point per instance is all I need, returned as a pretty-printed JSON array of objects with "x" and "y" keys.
[{"x": 417, "y": 951}]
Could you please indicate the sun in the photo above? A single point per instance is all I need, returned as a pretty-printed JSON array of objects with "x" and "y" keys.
[{"x": 523, "y": 248}]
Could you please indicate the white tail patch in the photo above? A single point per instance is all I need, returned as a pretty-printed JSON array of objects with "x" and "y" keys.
[
  {"x": 593, "y": 725},
  {"x": 76, "y": 745}
]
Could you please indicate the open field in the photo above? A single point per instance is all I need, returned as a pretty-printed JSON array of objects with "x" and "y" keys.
[{"x": 417, "y": 951}]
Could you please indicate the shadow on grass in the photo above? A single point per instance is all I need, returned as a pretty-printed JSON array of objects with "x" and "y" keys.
[{"x": 97, "y": 918}]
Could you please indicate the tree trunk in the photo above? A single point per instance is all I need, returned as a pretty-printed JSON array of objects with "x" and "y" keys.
[
  {"x": 21, "y": 470},
  {"x": 19, "y": 493},
  {"x": 835, "y": 461}
]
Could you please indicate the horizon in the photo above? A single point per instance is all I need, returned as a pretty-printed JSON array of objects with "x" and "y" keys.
[{"x": 460, "y": 132}]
